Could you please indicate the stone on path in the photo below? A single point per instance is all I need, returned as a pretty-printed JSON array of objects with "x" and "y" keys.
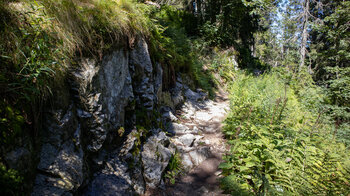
[{"x": 200, "y": 143}]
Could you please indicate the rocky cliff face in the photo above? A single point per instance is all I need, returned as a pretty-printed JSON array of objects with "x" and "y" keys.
[
  {"x": 88, "y": 145},
  {"x": 91, "y": 142}
]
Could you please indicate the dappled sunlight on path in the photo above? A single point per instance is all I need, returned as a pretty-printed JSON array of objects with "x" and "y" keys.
[{"x": 201, "y": 122}]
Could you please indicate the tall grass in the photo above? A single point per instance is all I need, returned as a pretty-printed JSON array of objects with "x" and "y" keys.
[{"x": 95, "y": 25}]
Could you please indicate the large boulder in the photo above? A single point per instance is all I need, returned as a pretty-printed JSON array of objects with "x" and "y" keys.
[
  {"x": 155, "y": 158},
  {"x": 112, "y": 180},
  {"x": 195, "y": 157},
  {"x": 103, "y": 91},
  {"x": 61, "y": 158},
  {"x": 142, "y": 75},
  {"x": 177, "y": 94},
  {"x": 192, "y": 96}
]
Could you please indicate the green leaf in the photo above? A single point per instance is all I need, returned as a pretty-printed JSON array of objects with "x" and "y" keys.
[
  {"x": 226, "y": 165},
  {"x": 250, "y": 164}
]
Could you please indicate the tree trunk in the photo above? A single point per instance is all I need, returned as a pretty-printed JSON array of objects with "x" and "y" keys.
[{"x": 305, "y": 34}]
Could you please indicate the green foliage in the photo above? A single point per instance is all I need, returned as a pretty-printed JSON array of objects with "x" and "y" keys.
[
  {"x": 95, "y": 26},
  {"x": 220, "y": 64},
  {"x": 280, "y": 145},
  {"x": 338, "y": 99},
  {"x": 10, "y": 123},
  {"x": 230, "y": 23},
  {"x": 174, "y": 168},
  {"x": 141, "y": 136},
  {"x": 203, "y": 77},
  {"x": 170, "y": 44},
  {"x": 29, "y": 54},
  {"x": 227, "y": 21},
  {"x": 10, "y": 181},
  {"x": 331, "y": 57}
]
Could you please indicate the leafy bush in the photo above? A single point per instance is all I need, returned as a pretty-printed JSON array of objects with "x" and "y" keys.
[
  {"x": 280, "y": 146},
  {"x": 11, "y": 122},
  {"x": 10, "y": 181},
  {"x": 170, "y": 43},
  {"x": 338, "y": 101},
  {"x": 171, "y": 46}
]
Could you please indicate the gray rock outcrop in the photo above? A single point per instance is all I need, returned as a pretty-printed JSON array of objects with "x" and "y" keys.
[
  {"x": 142, "y": 70},
  {"x": 155, "y": 158},
  {"x": 61, "y": 158},
  {"x": 99, "y": 93}
]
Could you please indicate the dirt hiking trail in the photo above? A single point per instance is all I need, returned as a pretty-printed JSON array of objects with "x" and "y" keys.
[{"x": 202, "y": 155}]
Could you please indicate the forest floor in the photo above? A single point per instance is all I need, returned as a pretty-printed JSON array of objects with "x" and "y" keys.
[{"x": 202, "y": 180}]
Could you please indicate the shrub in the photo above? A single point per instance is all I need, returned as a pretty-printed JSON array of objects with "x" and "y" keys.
[{"x": 10, "y": 181}]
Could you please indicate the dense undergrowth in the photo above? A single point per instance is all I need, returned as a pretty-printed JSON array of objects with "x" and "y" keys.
[
  {"x": 282, "y": 141},
  {"x": 288, "y": 128}
]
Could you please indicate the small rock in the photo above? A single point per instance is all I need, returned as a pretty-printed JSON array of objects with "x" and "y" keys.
[
  {"x": 195, "y": 129},
  {"x": 203, "y": 94},
  {"x": 65, "y": 164},
  {"x": 199, "y": 141},
  {"x": 109, "y": 184},
  {"x": 129, "y": 143},
  {"x": 187, "y": 140},
  {"x": 177, "y": 99},
  {"x": 45, "y": 185},
  {"x": 202, "y": 190},
  {"x": 170, "y": 116},
  {"x": 187, "y": 162},
  {"x": 176, "y": 94},
  {"x": 183, "y": 149},
  {"x": 176, "y": 128},
  {"x": 210, "y": 130},
  {"x": 199, "y": 155},
  {"x": 190, "y": 95}
]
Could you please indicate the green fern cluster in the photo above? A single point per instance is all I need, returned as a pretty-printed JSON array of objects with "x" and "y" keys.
[
  {"x": 174, "y": 168},
  {"x": 279, "y": 145}
]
